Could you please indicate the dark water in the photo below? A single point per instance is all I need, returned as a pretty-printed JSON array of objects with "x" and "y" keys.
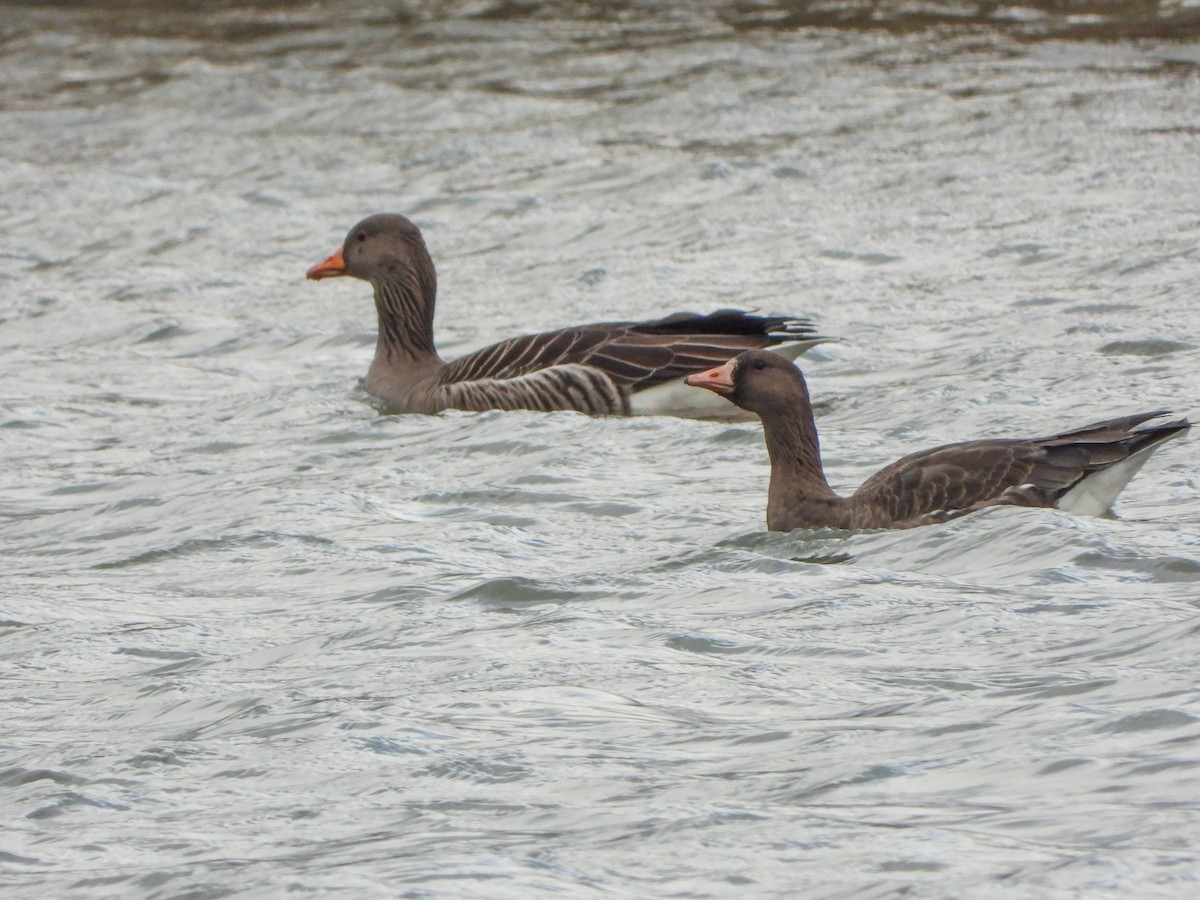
[{"x": 258, "y": 638}]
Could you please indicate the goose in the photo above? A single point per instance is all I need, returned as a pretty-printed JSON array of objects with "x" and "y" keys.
[
  {"x": 605, "y": 368},
  {"x": 1079, "y": 471}
]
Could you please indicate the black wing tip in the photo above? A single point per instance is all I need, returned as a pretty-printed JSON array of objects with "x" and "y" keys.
[
  {"x": 1157, "y": 434},
  {"x": 1122, "y": 425},
  {"x": 1153, "y": 433},
  {"x": 1169, "y": 429},
  {"x": 1174, "y": 426},
  {"x": 733, "y": 321}
]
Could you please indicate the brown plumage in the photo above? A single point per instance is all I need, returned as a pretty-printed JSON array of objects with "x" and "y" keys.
[
  {"x": 1080, "y": 471},
  {"x": 593, "y": 368}
]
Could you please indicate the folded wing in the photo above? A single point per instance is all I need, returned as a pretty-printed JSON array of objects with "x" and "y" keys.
[
  {"x": 1096, "y": 460},
  {"x": 634, "y": 355}
]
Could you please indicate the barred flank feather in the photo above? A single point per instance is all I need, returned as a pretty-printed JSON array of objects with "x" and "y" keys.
[{"x": 559, "y": 388}]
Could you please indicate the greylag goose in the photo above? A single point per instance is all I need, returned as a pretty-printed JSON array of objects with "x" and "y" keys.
[
  {"x": 1079, "y": 471},
  {"x": 605, "y": 368}
]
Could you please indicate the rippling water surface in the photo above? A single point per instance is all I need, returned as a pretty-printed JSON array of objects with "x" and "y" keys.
[{"x": 259, "y": 638}]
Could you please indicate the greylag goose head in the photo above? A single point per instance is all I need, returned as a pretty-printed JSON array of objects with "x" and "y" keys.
[{"x": 381, "y": 248}]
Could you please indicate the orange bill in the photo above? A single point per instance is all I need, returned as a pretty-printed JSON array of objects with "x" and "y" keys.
[
  {"x": 718, "y": 380},
  {"x": 330, "y": 268}
]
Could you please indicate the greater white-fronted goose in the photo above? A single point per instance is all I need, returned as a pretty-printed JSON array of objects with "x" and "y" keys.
[
  {"x": 604, "y": 368},
  {"x": 1079, "y": 471}
]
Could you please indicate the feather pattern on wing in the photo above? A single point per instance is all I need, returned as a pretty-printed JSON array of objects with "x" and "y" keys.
[
  {"x": 935, "y": 485},
  {"x": 635, "y": 355}
]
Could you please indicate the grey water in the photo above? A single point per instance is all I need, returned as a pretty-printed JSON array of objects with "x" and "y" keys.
[{"x": 261, "y": 639}]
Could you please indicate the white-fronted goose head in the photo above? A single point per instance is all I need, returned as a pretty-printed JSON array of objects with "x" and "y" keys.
[
  {"x": 603, "y": 368},
  {"x": 1079, "y": 471}
]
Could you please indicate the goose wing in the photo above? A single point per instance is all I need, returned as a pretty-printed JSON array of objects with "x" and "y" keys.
[
  {"x": 948, "y": 481},
  {"x": 938, "y": 484},
  {"x": 635, "y": 355}
]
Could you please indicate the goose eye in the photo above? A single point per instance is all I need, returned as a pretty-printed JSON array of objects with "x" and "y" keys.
[
  {"x": 760, "y": 364},
  {"x": 361, "y": 236}
]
